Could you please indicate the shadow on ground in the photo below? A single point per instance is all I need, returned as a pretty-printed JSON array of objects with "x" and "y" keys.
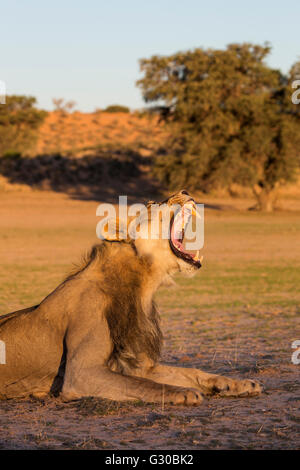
[{"x": 100, "y": 176}]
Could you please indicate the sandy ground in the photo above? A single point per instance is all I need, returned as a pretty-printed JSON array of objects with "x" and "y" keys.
[
  {"x": 238, "y": 318},
  {"x": 271, "y": 421}
]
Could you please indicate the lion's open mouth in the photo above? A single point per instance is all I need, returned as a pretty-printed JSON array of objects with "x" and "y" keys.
[{"x": 180, "y": 234}]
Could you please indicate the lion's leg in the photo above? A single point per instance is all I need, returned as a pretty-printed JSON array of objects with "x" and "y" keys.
[
  {"x": 100, "y": 382},
  {"x": 209, "y": 384}
]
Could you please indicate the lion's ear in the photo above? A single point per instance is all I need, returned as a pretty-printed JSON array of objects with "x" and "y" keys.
[
  {"x": 114, "y": 230},
  {"x": 149, "y": 203}
]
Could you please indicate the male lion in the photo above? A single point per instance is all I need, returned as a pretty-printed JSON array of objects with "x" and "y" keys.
[{"x": 98, "y": 334}]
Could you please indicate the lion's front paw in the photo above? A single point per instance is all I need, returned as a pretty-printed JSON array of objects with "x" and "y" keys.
[
  {"x": 185, "y": 396},
  {"x": 248, "y": 388},
  {"x": 225, "y": 386}
]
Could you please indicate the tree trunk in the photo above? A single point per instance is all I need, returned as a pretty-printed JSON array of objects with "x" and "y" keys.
[{"x": 266, "y": 198}]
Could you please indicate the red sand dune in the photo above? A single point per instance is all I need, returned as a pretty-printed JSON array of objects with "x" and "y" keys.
[{"x": 73, "y": 132}]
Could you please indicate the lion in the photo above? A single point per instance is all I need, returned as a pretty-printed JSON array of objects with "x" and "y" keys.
[{"x": 98, "y": 333}]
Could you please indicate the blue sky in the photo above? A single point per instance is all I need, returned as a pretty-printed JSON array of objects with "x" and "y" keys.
[{"x": 88, "y": 51}]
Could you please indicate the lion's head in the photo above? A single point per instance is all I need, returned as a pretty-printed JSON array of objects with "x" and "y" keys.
[{"x": 165, "y": 232}]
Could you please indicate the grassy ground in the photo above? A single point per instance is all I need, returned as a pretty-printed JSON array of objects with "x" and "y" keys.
[{"x": 238, "y": 316}]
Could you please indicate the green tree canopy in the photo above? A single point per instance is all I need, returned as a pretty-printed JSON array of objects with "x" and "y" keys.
[
  {"x": 19, "y": 119},
  {"x": 231, "y": 120},
  {"x": 117, "y": 108}
]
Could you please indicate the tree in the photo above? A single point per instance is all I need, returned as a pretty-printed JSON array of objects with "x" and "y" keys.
[
  {"x": 62, "y": 106},
  {"x": 230, "y": 117},
  {"x": 116, "y": 108},
  {"x": 19, "y": 120}
]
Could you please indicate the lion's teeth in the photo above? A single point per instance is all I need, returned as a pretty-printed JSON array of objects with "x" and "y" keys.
[
  {"x": 195, "y": 213},
  {"x": 196, "y": 257}
]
